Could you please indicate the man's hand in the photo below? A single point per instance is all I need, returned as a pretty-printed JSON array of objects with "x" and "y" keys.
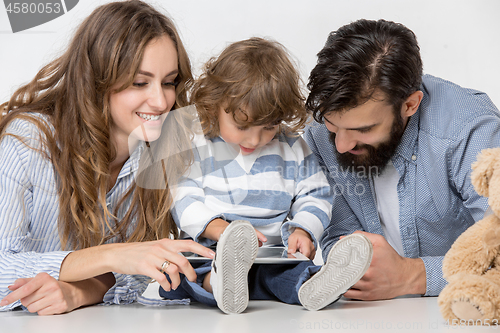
[
  {"x": 389, "y": 275},
  {"x": 301, "y": 241}
]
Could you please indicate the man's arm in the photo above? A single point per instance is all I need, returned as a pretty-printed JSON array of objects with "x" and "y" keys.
[
  {"x": 389, "y": 275},
  {"x": 393, "y": 275}
]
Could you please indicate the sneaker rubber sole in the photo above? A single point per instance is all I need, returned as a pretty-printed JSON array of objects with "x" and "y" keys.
[
  {"x": 346, "y": 263},
  {"x": 235, "y": 254}
]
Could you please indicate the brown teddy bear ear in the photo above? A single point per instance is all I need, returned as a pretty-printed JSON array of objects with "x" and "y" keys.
[{"x": 483, "y": 170}]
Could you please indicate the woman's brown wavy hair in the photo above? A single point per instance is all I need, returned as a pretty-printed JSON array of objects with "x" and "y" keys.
[
  {"x": 73, "y": 92},
  {"x": 256, "y": 81}
]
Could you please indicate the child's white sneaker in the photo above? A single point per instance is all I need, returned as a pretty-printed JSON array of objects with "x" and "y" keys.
[
  {"x": 346, "y": 263},
  {"x": 236, "y": 251}
]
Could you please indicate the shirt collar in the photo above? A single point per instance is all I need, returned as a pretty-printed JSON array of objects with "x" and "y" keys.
[
  {"x": 132, "y": 164},
  {"x": 408, "y": 145}
]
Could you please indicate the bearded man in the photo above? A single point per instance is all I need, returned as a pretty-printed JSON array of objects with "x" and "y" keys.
[{"x": 397, "y": 147}]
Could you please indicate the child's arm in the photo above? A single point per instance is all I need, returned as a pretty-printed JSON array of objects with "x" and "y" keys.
[
  {"x": 214, "y": 229},
  {"x": 301, "y": 241},
  {"x": 190, "y": 211},
  {"x": 217, "y": 226},
  {"x": 311, "y": 207}
]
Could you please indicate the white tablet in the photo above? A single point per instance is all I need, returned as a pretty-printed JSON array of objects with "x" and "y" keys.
[{"x": 265, "y": 255}]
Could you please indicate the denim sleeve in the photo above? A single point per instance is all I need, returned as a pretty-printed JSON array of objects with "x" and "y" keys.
[
  {"x": 480, "y": 133},
  {"x": 434, "y": 275}
]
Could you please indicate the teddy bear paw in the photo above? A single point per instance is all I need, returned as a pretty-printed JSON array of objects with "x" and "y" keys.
[
  {"x": 466, "y": 310},
  {"x": 471, "y": 298}
]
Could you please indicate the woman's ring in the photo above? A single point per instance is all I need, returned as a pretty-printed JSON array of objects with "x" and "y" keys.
[{"x": 164, "y": 266}]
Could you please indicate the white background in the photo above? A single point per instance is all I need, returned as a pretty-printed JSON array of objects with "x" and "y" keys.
[{"x": 459, "y": 39}]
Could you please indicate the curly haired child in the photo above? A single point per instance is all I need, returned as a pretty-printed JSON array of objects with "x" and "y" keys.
[{"x": 249, "y": 101}]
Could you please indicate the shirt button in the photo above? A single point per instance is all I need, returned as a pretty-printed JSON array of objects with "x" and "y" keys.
[{"x": 414, "y": 157}]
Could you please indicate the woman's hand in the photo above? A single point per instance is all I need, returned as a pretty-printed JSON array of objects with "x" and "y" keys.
[
  {"x": 45, "y": 295},
  {"x": 144, "y": 258},
  {"x": 147, "y": 259},
  {"x": 85, "y": 276}
]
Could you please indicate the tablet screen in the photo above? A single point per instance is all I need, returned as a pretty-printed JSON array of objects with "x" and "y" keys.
[{"x": 265, "y": 255}]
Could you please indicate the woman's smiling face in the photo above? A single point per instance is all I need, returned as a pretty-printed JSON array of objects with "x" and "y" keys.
[{"x": 141, "y": 108}]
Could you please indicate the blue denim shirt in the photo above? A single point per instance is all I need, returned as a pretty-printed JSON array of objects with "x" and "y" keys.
[{"x": 437, "y": 201}]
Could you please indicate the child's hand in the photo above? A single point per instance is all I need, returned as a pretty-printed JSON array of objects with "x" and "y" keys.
[
  {"x": 301, "y": 241},
  {"x": 262, "y": 239},
  {"x": 215, "y": 228}
]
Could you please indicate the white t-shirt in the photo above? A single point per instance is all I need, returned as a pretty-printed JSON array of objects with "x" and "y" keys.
[{"x": 386, "y": 193}]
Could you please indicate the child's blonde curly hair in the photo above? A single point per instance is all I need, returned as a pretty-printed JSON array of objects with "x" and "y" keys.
[{"x": 256, "y": 81}]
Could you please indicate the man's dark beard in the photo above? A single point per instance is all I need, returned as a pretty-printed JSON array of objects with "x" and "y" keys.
[{"x": 374, "y": 160}]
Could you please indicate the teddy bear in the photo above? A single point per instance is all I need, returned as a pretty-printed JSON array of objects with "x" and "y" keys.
[{"x": 472, "y": 265}]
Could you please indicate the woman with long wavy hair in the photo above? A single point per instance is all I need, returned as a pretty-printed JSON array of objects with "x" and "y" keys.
[{"x": 75, "y": 227}]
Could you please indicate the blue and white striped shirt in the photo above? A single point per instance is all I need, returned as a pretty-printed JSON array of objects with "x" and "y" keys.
[
  {"x": 276, "y": 188},
  {"x": 437, "y": 201},
  {"x": 29, "y": 209}
]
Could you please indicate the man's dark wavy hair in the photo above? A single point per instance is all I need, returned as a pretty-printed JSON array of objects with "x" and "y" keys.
[{"x": 360, "y": 58}]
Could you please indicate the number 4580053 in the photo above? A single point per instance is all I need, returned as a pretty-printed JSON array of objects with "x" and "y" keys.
[{"x": 26, "y": 7}]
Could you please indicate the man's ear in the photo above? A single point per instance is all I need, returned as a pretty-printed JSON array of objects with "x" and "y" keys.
[{"x": 410, "y": 106}]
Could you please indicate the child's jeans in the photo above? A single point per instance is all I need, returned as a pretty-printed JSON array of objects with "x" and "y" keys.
[{"x": 265, "y": 282}]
